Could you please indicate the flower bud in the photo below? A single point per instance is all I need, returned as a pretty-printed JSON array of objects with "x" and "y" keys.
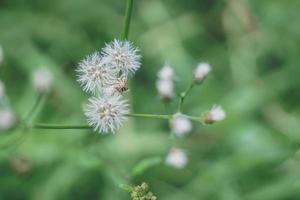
[
  {"x": 165, "y": 89},
  {"x": 214, "y": 115},
  {"x": 7, "y": 119},
  {"x": 180, "y": 125},
  {"x": 42, "y": 80},
  {"x": 201, "y": 72},
  {"x": 177, "y": 158},
  {"x": 166, "y": 73}
]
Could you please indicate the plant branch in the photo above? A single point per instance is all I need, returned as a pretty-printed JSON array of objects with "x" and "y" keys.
[
  {"x": 127, "y": 19},
  {"x": 184, "y": 94}
]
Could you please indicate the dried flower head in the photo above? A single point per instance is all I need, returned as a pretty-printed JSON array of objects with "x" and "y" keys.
[
  {"x": 42, "y": 80},
  {"x": 214, "y": 115},
  {"x": 121, "y": 84},
  {"x": 180, "y": 125},
  {"x": 166, "y": 73},
  {"x": 165, "y": 89},
  {"x": 7, "y": 119},
  {"x": 95, "y": 73},
  {"x": 177, "y": 158},
  {"x": 2, "y": 90},
  {"x": 201, "y": 71},
  {"x": 106, "y": 114},
  {"x": 123, "y": 56}
]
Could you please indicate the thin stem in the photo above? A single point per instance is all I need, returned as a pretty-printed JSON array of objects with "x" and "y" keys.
[
  {"x": 37, "y": 106},
  {"x": 58, "y": 126},
  {"x": 149, "y": 116},
  {"x": 184, "y": 94},
  {"x": 127, "y": 19}
]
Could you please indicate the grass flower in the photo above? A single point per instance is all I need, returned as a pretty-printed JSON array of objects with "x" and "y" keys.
[
  {"x": 177, "y": 158},
  {"x": 94, "y": 73},
  {"x": 42, "y": 80},
  {"x": 123, "y": 56},
  {"x": 201, "y": 71},
  {"x": 181, "y": 125},
  {"x": 107, "y": 113}
]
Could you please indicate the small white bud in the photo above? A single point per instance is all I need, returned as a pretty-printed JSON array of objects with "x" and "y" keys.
[
  {"x": 2, "y": 90},
  {"x": 1, "y": 55},
  {"x": 42, "y": 80},
  {"x": 214, "y": 115},
  {"x": 177, "y": 158},
  {"x": 7, "y": 119},
  {"x": 201, "y": 71},
  {"x": 181, "y": 125},
  {"x": 165, "y": 89},
  {"x": 166, "y": 73}
]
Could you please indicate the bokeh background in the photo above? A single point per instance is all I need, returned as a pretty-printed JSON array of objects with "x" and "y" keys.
[{"x": 254, "y": 48}]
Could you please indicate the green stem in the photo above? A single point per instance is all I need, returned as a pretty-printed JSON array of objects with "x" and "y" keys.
[
  {"x": 184, "y": 94},
  {"x": 127, "y": 19},
  {"x": 37, "y": 106},
  {"x": 149, "y": 116},
  {"x": 58, "y": 126}
]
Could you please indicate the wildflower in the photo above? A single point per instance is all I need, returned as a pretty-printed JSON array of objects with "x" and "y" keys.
[
  {"x": 7, "y": 119},
  {"x": 106, "y": 114},
  {"x": 123, "y": 56},
  {"x": 181, "y": 125},
  {"x": 177, "y": 158},
  {"x": 214, "y": 115},
  {"x": 42, "y": 80},
  {"x": 165, "y": 89},
  {"x": 166, "y": 73},
  {"x": 121, "y": 84},
  {"x": 2, "y": 90},
  {"x": 1, "y": 55},
  {"x": 94, "y": 73},
  {"x": 201, "y": 72},
  {"x": 141, "y": 192}
]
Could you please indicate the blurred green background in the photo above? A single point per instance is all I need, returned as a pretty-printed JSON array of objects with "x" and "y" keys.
[{"x": 253, "y": 47}]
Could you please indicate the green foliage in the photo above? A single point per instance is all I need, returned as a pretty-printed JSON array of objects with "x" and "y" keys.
[{"x": 253, "y": 47}]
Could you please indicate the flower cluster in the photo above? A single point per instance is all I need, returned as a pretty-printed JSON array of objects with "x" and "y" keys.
[
  {"x": 105, "y": 75},
  {"x": 141, "y": 192},
  {"x": 181, "y": 124}
]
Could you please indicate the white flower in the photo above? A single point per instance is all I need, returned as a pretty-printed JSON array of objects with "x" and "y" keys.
[
  {"x": 7, "y": 119},
  {"x": 166, "y": 73},
  {"x": 165, "y": 88},
  {"x": 106, "y": 114},
  {"x": 201, "y": 71},
  {"x": 2, "y": 90},
  {"x": 123, "y": 56},
  {"x": 1, "y": 55},
  {"x": 94, "y": 73},
  {"x": 180, "y": 125},
  {"x": 42, "y": 80},
  {"x": 177, "y": 158},
  {"x": 214, "y": 115}
]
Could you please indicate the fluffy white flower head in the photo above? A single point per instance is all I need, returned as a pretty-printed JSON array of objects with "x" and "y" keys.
[
  {"x": 177, "y": 158},
  {"x": 123, "y": 56},
  {"x": 107, "y": 113},
  {"x": 7, "y": 119},
  {"x": 215, "y": 114},
  {"x": 42, "y": 80},
  {"x": 202, "y": 71},
  {"x": 2, "y": 90},
  {"x": 181, "y": 125},
  {"x": 165, "y": 88},
  {"x": 166, "y": 73},
  {"x": 94, "y": 73}
]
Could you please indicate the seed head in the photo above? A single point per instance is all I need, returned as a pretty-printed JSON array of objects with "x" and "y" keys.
[
  {"x": 107, "y": 113},
  {"x": 94, "y": 73},
  {"x": 201, "y": 71},
  {"x": 42, "y": 80},
  {"x": 214, "y": 115},
  {"x": 123, "y": 56},
  {"x": 180, "y": 125},
  {"x": 177, "y": 158}
]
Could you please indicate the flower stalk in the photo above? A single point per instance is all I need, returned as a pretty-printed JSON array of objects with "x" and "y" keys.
[{"x": 127, "y": 19}]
